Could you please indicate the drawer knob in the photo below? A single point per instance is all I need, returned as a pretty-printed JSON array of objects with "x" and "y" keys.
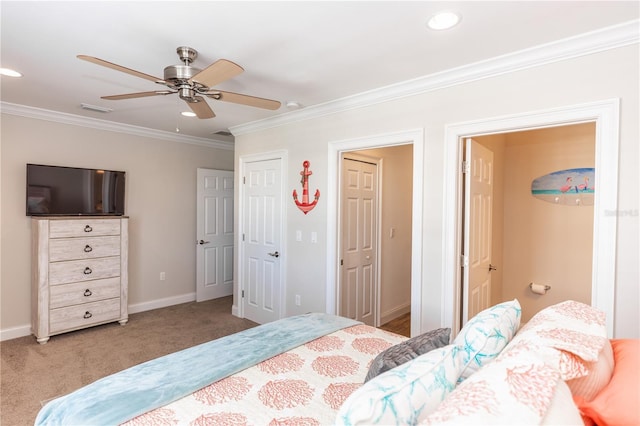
[
  {"x": 87, "y": 270},
  {"x": 87, "y": 293},
  {"x": 88, "y": 228},
  {"x": 88, "y": 248},
  {"x": 88, "y": 314}
]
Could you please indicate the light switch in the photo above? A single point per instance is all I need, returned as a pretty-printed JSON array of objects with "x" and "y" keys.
[
  {"x": 314, "y": 237},
  {"x": 298, "y": 235}
]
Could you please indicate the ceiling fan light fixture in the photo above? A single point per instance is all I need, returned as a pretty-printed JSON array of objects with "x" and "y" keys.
[
  {"x": 9, "y": 72},
  {"x": 443, "y": 20},
  {"x": 188, "y": 113},
  {"x": 293, "y": 105}
]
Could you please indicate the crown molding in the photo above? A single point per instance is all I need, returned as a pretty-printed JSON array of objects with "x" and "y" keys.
[
  {"x": 94, "y": 123},
  {"x": 584, "y": 44}
]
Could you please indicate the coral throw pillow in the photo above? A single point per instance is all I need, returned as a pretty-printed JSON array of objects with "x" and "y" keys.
[{"x": 619, "y": 402}]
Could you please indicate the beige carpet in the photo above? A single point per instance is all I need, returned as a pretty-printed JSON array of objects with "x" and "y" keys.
[{"x": 31, "y": 374}]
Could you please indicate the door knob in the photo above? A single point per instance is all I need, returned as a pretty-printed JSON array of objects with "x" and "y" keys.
[
  {"x": 274, "y": 254},
  {"x": 492, "y": 268},
  {"x": 201, "y": 242}
]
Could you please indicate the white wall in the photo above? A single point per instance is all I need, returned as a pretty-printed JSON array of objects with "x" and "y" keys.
[
  {"x": 160, "y": 201},
  {"x": 605, "y": 75}
]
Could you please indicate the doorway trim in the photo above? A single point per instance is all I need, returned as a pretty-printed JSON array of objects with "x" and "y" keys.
[
  {"x": 413, "y": 137},
  {"x": 282, "y": 155},
  {"x": 605, "y": 114}
]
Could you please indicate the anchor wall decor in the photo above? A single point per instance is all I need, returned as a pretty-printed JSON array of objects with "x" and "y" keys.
[{"x": 305, "y": 206}]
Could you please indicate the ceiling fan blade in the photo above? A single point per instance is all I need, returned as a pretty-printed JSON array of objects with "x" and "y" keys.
[
  {"x": 137, "y": 95},
  {"x": 119, "y": 68},
  {"x": 201, "y": 108},
  {"x": 217, "y": 72},
  {"x": 238, "y": 98}
]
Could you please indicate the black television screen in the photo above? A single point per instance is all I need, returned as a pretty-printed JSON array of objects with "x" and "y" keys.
[{"x": 55, "y": 190}]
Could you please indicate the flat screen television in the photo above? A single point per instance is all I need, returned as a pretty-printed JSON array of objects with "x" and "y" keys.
[{"x": 56, "y": 191}]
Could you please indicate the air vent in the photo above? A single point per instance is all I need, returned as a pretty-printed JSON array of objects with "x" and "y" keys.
[{"x": 96, "y": 108}]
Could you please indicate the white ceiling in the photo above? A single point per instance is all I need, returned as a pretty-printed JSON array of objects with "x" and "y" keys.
[{"x": 309, "y": 52}]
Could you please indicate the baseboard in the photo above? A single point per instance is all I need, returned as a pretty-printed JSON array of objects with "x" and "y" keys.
[
  {"x": 162, "y": 303},
  {"x": 25, "y": 330},
  {"x": 15, "y": 332},
  {"x": 395, "y": 313},
  {"x": 235, "y": 311}
]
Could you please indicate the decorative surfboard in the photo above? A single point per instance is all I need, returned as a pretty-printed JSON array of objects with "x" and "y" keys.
[{"x": 570, "y": 187}]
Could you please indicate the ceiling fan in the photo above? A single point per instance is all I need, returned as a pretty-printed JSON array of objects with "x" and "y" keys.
[{"x": 191, "y": 83}]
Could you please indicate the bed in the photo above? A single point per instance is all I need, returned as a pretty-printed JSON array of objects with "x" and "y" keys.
[
  {"x": 318, "y": 369},
  {"x": 297, "y": 370}
]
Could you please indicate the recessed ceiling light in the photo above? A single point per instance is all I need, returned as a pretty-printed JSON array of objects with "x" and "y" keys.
[
  {"x": 293, "y": 105},
  {"x": 443, "y": 20},
  {"x": 9, "y": 72},
  {"x": 188, "y": 113}
]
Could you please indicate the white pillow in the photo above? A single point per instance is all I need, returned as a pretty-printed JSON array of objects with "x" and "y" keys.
[
  {"x": 569, "y": 335},
  {"x": 562, "y": 411},
  {"x": 486, "y": 334},
  {"x": 516, "y": 388},
  {"x": 404, "y": 393}
]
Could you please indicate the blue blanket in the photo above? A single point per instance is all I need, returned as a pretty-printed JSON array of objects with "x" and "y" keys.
[{"x": 144, "y": 387}]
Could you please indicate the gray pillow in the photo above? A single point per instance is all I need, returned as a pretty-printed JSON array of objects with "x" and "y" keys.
[{"x": 406, "y": 351}]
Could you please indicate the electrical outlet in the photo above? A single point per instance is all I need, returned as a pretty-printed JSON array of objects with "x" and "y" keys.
[
  {"x": 297, "y": 300},
  {"x": 163, "y": 276}
]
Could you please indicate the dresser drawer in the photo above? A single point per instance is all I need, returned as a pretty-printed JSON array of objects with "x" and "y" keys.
[
  {"x": 83, "y": 248},
  {"x": 64, "y": 295},
  {"x": 83, "y": 270},
  {"x": 84, "y": 315},
  {"x": 83, "y": 228}
]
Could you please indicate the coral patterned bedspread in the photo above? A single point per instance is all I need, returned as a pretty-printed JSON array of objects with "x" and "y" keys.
[{"x": 303, "y": 386}]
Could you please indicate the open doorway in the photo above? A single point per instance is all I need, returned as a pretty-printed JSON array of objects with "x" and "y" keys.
[
  {"x": 605, "y": 115},
  {"x": 415, "y": 139},
  {"x": 541, "y": 239},
  {"x": 375, "y": 233}
]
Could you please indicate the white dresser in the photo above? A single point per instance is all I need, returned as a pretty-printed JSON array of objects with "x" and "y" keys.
[{"x": 79, "y": 273}]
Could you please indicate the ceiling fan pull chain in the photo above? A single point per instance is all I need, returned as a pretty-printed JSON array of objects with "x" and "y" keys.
[{"x": 178, "y": 117}]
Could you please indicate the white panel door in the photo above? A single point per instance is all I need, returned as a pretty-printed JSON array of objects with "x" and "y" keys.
[
  {"x": 358, "y": 283},
  {"x": 262, "y": 227},
  {"x": 214, "y": 257},
  {"x": 477, "y": 229}
]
